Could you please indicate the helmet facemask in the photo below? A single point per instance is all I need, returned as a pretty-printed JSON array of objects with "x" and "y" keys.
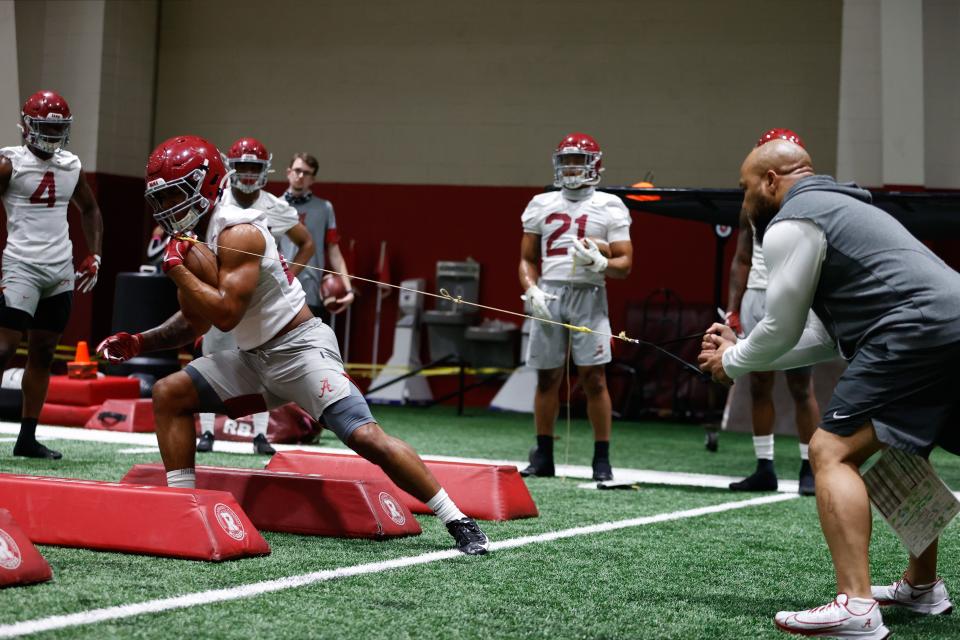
[
  {"x": 574, "y": 168},
  {"x": 178, "y": 204},
  {"x": 47, "y": 135},
  {"x": 245, "y": 177}
]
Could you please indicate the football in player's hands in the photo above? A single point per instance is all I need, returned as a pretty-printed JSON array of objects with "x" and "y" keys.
[
  {"x": 332, "y": 292},
  {"x": 202, "y": 262}
]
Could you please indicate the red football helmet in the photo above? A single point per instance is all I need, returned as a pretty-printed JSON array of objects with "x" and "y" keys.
[
  {"x": 45, "y": 121},
  {"x": 780, "y": 134},
  {"x": 577, "y": 162},
  {"x": 185, "y": 179},
  {"x": 248, "y": 151}
]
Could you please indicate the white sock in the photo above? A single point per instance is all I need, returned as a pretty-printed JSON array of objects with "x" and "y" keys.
[
  {"x": 860, "y": 606},
  {"x": 804, "y": 451},
  {"x": 260, "y": 422},
  {"x": 763, "y": 446},
  {"x": 206, "y": 422},
  {"x": 443, "y": 506},
  {"x": 182, "y": 479}
]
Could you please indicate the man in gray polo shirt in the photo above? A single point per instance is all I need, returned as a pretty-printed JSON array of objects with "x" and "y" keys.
[
  {"x": 892, "y": 309},
  {"x": 316, "y": 214}
]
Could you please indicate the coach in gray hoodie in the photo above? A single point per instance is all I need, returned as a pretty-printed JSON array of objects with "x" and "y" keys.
[{"x": 891, "y": 308}]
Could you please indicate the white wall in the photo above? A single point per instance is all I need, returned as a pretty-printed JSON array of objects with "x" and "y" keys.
[
  {"x": 941, "y": 27},
  {"x": 480, "y": 92},
  {"x": 9, "y": 83},
  {"x": 100, "y": 56}
]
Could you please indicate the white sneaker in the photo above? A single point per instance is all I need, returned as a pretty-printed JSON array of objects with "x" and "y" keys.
[
  {"x": 932, "y": 600},
  {"x": 834, "y": 620}
]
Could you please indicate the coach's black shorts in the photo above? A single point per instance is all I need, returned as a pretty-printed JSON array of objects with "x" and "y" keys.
[
  {"x": 912, "y": 398},
  {"x": 52, "y": 314}
]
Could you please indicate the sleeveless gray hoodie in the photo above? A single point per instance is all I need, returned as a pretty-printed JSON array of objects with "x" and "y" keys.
[{"x": 878, "y": 285}]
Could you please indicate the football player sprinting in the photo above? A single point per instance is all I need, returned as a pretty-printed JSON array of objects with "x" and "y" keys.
[
  {"x": 285, "y": 354},
  {"x": 562, "y": 272},
  {"x": 249, "y": 161},
  {"x": 38, "y": 180}
]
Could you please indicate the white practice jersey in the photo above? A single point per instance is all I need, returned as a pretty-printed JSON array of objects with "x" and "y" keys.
[
  {"x": 278, "y": 296},
  {"x": 36, "y": 203},
  {"x": 560, "y": 221},
  {"x": 757, "y": 278},
  {"x": 281, "y": 216}
]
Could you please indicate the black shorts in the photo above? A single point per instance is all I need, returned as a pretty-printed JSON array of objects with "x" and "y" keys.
[
  {"x": 912, "y": 398},
  {"x": 52, "y": 314}
]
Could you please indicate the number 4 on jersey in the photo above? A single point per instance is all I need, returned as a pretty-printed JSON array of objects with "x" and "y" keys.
[{"x": 47, "y": 186}]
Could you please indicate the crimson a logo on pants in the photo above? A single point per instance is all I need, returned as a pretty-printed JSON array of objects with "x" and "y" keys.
[
  {"x": 10, "y": 557},
  {"x": 392, "y": 508},
  {"x": 229, "y": 521}
]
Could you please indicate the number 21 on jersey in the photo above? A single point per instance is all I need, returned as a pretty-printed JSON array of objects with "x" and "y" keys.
[{"x": 565, "y": 221}]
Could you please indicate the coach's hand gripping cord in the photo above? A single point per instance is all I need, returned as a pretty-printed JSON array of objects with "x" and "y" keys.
[{"x": 445, "y": 295}]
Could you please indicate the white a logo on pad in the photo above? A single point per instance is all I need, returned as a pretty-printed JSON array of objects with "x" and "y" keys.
[
  {"x": 229, "y": 521},
  {"x": 392, "y": 509},
  {"x": 10, "y": 557}
]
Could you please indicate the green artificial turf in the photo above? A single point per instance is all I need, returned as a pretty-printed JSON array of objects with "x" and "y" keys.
[{"x": 714, "y": 576}]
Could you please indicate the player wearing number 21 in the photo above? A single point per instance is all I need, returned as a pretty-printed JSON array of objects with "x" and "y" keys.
[
  {"x": 573, "y": 239},
  {"x": 38, "y": 179}
]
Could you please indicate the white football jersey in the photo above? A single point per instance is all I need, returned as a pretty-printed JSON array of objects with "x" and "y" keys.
[
  {"x": 281, "y": 216},
  {"x": 278, "y": 296},
  {"x": 36, "y": 203},
  {"x": 757, "y": 278},
  {"x": 559, "y": 222}
]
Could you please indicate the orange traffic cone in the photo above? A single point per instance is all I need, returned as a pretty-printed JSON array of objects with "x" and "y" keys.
[{"x": 82, "y": 367}]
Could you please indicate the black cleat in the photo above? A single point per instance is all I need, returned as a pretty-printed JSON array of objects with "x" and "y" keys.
[
  {"x": 541, "y": 465},
  {"x": 205, "y": 442},
  {"x": 260, "y": 445},
  {"x": 602, "y": 472},
  {"x": 34, "y": 449},
  {"x": 807, "y": 485},
  {"x": 763, "y": 479},
  {"x": 712, "y": 441},
  {"x": 470, "y": 539}
]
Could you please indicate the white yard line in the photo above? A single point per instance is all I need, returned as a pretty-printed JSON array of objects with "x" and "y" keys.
[{"x": 94, "y": 616}]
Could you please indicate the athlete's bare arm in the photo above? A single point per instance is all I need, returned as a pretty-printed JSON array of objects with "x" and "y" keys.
[
  {"x": 225, "y": 305},
  {"x": 529, "y": 260},
  {"x": 90, "y": 217},
  {"x": 6, "y": 171},
  {"x": 621, "y": 260},
  {"x": 306, "y": 247},
  {"x": 740, "y": 266},
  {"x": 172, "y": 334}
]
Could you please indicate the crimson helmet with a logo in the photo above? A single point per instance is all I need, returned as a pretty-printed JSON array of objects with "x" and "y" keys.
[
  {"x": 251, "y": 156},
  {"x": 185, "y": 179},
  {"x": 780, "y": 134},
  {"x": 577, "y": 162},
  {"x": 45, "y": 121}
]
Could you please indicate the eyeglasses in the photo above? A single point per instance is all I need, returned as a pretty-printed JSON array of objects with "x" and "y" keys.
[{"x": 303, "y": 172}]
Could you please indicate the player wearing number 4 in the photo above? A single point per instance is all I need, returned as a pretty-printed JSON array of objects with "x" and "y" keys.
[
  {"x": 37, "y": 181},
  {"x": 285, "y": 354},
  {"x": 562, "y": 272},
  {"x": 892, "y": 309}
]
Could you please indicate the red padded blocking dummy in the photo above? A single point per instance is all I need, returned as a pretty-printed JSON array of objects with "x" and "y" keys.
[
  {"x": 124, "y": 415},
  {"x": 66, "y": 415},
  {"x": 305, "y": 504},
  {"x": 181, "y": 523},
  {"x": 484, "y": 491},
  {"x": 95, "y": 391},
  {"x": 20, "y": 562}
]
